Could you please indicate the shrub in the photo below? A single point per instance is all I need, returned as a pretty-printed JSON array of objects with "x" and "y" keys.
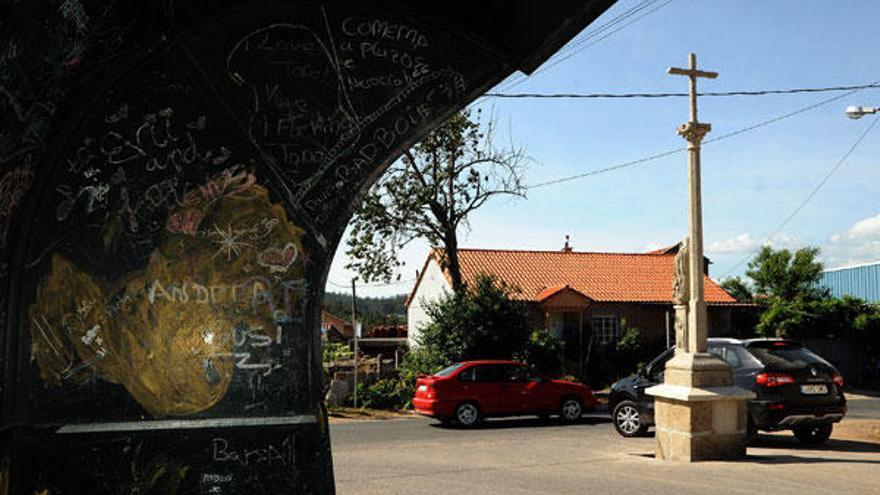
[
  {"x": 331, "y": 352},
  {"x": 544, "y": 351},
  {"x": 629, "y": 351},
  {"x": 481, "y": 322},
  {"x": 385, "y": 393},
  {"x": 396, "y": 392}
]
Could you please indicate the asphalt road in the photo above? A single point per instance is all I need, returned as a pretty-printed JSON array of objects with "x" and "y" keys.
[
  {"x": 531, "y": 456},
  {"x": 863, "y": 406}
]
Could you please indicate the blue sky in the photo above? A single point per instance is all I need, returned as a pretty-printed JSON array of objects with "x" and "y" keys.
[{"x": 751, "y": 182}]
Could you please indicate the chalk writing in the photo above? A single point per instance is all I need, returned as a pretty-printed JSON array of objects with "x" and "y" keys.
[
  {"x": 383, "y": 29},
  {"x": 185, "y": 222},
  {"x": 95, "y": 197},
  {"x": 280, "y": 454},
  {"x": 13, "y": 187},
  {"x": 229, "y": 242},
  {"x": 157, "y": 141},
  {"x": 216, "y": 478},
  {"x": 250, "y": 348},
  {"x": 258, "y": 291},
  {"x": 212, "y": 484},
  {"x": 278, "y": 260},
  {"x": 74, "y": 11}
]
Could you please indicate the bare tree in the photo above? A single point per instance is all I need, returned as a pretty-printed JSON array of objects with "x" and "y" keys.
[{"x": 429, "y": 194}]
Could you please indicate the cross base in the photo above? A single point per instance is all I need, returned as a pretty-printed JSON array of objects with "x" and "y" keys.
[
  {"x": 700, "y": 430},
  {"x": 700, "y": 415}
]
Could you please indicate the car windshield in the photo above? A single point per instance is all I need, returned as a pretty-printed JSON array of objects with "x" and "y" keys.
[
  {"x": 450, "y": 370},
  {"x": 784, "y": 355}
]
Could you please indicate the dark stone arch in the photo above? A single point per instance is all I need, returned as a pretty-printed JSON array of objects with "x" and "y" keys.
[{"x": 175, "y": 180}]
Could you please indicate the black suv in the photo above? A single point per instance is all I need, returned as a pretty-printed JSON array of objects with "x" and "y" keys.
[{"x": 796, "y": 389}]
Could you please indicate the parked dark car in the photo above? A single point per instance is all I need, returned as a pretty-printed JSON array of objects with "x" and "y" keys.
[
  {"x": 469, "y": 391},
  {"x": 795, "y": 389}
]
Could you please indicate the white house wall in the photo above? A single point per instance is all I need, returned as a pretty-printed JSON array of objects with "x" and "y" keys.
[{"x": 433, "y": 285}]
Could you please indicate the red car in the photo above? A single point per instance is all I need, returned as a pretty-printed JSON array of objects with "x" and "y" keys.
[{"x": 468, "y": 391}]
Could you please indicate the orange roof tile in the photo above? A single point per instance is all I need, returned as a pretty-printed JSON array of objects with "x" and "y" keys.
[
  {"x": 604, "y": 277},
  {"x": 549, "y": 292}
]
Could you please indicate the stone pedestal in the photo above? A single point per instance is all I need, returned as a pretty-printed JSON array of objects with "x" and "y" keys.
[{"x": 699, "y": 414}]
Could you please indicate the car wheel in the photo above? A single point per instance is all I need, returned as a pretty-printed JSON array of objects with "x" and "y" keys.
[
  {"x": 813, "y": 435},
  {"x": 467, "y": 414},
  {"x": 628, "y": 420},
  {"x": 571, "y": 410}
]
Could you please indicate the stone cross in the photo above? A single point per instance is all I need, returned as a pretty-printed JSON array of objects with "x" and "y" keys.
[
  {"x": 692, "y": 74},
  {"x": 700, "y": 414},
  {"x": 696, "y": 330}
]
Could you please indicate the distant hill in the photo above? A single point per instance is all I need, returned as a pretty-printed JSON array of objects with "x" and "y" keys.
[{"x": 371, "y": 310}]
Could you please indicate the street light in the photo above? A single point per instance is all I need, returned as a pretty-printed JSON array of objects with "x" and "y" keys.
[{"x": 857, "y": 112}]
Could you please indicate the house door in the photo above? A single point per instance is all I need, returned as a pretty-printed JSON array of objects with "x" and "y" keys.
[{"x": 574, "y": 338}]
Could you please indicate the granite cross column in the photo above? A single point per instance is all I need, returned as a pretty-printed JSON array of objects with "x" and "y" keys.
[
  {"x": 693, "y": 132},
  {"x": 699, "y": 413}
]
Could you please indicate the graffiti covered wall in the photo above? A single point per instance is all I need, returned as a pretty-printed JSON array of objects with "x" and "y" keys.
[
  {"x": 174, "y": 179},
  {"x": 173, "y": 190}
]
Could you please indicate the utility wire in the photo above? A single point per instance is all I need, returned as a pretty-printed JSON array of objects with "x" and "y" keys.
[
  {"x": 807, "y": 199},
  {"x": 606, "y": 169},
  {"x": 668, "y": 95},
  {"x": 375, "y": 284},
  {"x": 577, "y": 42},
  {"x": 558, "y": 61},
  {"x": 708, "y": 141},
  {"x": 578, "y": 45}
]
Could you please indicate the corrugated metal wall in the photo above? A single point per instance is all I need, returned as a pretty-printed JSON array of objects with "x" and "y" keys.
[{"x": 859, "y": 281}]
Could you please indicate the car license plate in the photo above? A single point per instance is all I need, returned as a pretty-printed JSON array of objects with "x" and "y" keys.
[
  {"x": 814, "y": 389},
  {"x": 423, "y": 388}
]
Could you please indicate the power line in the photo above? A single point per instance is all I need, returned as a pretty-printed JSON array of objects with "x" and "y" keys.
[
  {"x": 575, "y": 42},
  {"x": 558, "y": 61},
  {"x": 374, "y": 284},
  {"x": 577, "y": 46},
  {"x": 606, "y": 169},
  {"x": 708, "y": 141},
  {"x": 671, "y": 95},
  {"x": 809, "y": 196}
]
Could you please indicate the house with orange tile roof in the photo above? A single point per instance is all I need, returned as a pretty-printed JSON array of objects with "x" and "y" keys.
[{"x": 578, "y": 295}]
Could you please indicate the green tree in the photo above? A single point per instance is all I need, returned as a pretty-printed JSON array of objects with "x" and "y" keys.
[
  {"x": 796, "y": 306},
  {"x": 738, "y": 288},
  {"x": 788, "y": 318},
  {"x": 787, "y": 275},
  {"x": 846, "y": 318},
  {"x": 481, "y": 322},
  {"x": 428, "y": 194}
]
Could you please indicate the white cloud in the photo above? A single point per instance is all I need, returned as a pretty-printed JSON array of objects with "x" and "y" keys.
[
  {"x": 784, "y": 242},
  {"x": 869, "y": 227},
  {"x": 654, "y": 245},
  {"x": 738, "y": 244},
  {"x": 744, "y": 243},
  {"x": 858, "y": 244}
]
